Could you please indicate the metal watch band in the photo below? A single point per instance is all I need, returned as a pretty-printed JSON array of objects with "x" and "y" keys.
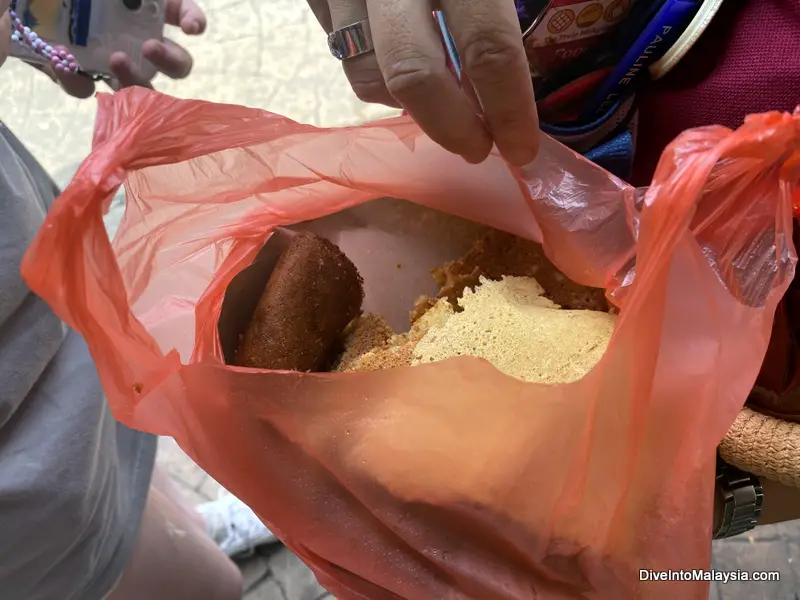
[{"x": 742, "y": 498}]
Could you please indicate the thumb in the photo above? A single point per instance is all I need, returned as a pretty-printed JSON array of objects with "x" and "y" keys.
[{"x": 76, "y": 84}]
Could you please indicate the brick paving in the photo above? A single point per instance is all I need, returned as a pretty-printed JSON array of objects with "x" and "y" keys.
[
  {"x": 768, "y": 548},
  {"x": 280, "y": 576}
]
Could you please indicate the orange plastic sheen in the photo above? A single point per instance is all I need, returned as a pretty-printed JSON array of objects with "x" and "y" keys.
[{"x": 449, "y": 480}]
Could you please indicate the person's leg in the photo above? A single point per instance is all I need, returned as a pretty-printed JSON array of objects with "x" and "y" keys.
[
  {"x": 163, "y": 484},
  {"x": 174, "y": 557}
]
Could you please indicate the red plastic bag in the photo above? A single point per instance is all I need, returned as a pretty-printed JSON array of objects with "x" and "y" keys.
[{"x": 449, "y": 480}]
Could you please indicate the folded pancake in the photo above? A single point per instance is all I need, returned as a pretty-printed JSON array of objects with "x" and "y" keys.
[
  {"x": 503, "y": 301},
  {"x": 367, "y": 350},
  {"x": 513, "y": 326},
  {"x": 364, "y": 334},
  {"x": 311, "y": 296},
  {"x": 499, "y": 254}
]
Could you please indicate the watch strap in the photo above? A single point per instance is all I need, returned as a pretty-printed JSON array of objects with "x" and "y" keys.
[{"x": 741, "y": 500}]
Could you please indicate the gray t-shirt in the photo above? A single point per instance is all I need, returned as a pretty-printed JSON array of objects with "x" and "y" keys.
[{"x": 73, "y": 481}]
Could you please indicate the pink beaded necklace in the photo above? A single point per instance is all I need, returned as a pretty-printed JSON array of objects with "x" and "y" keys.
[{"x": 61, "y": 60}]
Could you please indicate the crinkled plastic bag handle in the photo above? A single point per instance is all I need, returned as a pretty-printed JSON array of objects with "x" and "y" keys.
[{"x": 448, "y": 480}]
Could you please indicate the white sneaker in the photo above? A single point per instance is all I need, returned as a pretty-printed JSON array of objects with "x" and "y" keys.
[{"x": 233, "y": 526}]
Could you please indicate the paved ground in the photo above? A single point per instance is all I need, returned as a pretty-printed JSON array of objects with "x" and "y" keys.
[
  {"x": 272, "y": 55},
  {"x": 767, "y": 548}
]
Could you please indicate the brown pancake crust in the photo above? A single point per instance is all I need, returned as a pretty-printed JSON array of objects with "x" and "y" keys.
[
  {"x": 500, "y": 254},
  {"x": 311, "y": 296}
]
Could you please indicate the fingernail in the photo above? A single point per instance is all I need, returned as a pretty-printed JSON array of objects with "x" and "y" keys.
[{"x": 193, "y": 28}]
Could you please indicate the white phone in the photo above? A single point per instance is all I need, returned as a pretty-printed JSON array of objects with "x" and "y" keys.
[{"x": 93, "y": 30}]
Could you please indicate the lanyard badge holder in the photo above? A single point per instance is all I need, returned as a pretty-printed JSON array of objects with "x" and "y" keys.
[{"x": 633, "y": 70}]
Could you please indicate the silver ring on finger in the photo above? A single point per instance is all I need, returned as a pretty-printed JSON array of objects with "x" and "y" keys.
[{"x": 351, "y": 41}]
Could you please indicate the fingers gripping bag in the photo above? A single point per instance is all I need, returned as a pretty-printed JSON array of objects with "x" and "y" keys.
[{"x": 448, "y": 479}]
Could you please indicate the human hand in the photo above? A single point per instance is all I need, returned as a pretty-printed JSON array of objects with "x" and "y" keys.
[
  {"x": 408, "y": 69},
  {"x": 168, "y": 57}
]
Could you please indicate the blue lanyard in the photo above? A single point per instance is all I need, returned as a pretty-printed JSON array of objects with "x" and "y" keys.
[
  {"x": 658, "y": 37},
  {"x": 449, "y": 43}
]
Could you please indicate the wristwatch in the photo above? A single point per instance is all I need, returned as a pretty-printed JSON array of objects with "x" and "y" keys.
[{"x": 739, "y": 497}]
